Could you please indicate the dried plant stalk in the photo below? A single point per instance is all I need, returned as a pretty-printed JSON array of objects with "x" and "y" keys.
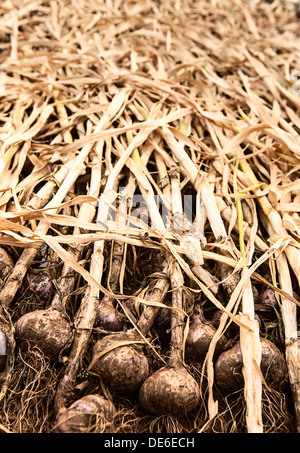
[
  {"x": 204, "y": 114},
  {"x": 251, "y": 353}
]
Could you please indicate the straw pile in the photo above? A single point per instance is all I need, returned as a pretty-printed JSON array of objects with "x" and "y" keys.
[{"x": 170, "y": 101}]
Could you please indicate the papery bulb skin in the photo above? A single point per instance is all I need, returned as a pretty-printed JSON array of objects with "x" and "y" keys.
[
  {"x": 48, "y": 329},
  {"x": 123, "y": 368}
]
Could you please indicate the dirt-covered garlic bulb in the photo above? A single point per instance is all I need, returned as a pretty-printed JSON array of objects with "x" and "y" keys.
[
  {"x": 170, "y": 390},
  {"x": 49, "y": 330},
  {"x": 41, "y": 284},
  {"x": 268, "y": 297},
  {"x": 198, "y": 340},
  {"x": 228, "y": 367},
  {"x": 107, "y": 317},
  {"x": 91, "y": 413},
  {"x": 123, "y": 368}
]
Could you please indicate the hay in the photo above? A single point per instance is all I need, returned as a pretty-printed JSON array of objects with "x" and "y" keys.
[{"x": 127, "y": 94}]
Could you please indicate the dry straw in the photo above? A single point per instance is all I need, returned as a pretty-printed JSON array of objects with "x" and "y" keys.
[{"x": 167, "y": 99}]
